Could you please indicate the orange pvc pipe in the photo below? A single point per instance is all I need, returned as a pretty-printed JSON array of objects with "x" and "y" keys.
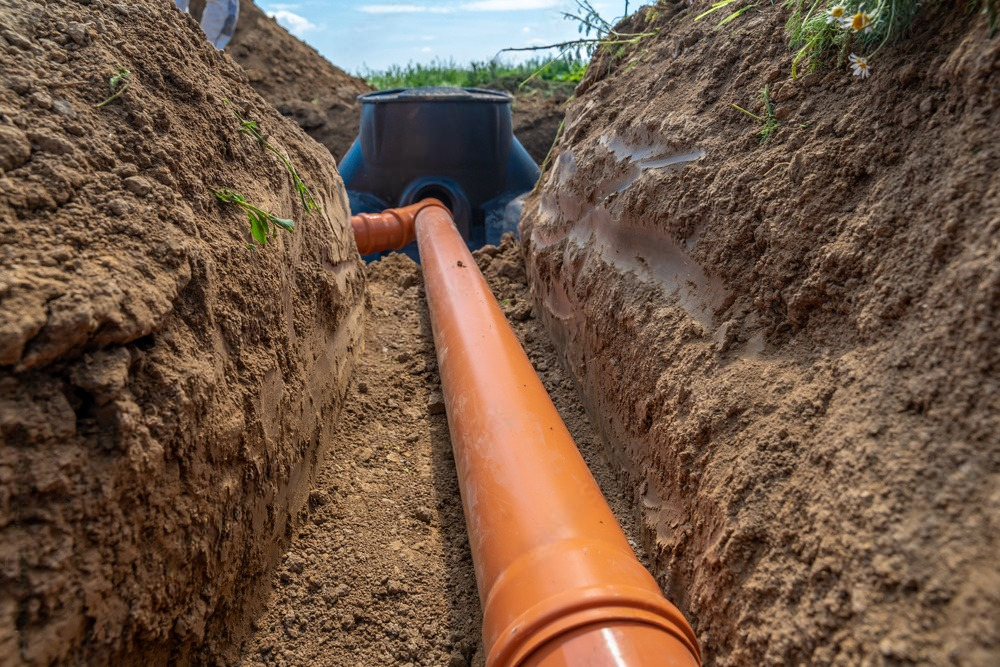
[
  {"x": 389, "y": 230},
  {"x": 559, "y": 583}
]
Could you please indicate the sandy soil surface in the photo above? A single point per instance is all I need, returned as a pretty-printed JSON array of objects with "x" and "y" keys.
[
  {"x": 165, "y": 390},
  {"x": 299, "y": 82},
  {"x": 381, "y": 574},
  {"x": 794, "y": 345}
]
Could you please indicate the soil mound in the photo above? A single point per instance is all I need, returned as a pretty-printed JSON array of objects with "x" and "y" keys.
[
  {"x": 165, "y": 390},
  {"x": 298, "y": 81},
  {"x": 793, "y": 345}
]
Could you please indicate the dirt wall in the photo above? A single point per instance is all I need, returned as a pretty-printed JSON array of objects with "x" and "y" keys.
[
  {"x": 297, "y": 80},
  {"x": 165, "y": 389},
  {"x": 792, "y": 346}
]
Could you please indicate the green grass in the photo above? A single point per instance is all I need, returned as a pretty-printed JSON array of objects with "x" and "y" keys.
[
  {"x": 118, "y": 83},
  {"x": 251, "y": 129},
  {"x": 816, "y": 40},
  {"x": 768, "y": 122},
  {"x": 263, "y": 225},
  {"x": 534, "y": 73}
]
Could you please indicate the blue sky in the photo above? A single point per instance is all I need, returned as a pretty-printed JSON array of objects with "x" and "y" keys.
[{"x": 380, "y": 33}]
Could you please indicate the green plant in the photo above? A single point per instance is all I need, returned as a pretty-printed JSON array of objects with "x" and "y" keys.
[
  {"x": 769, "y": 122},
  {"x": 722, "y": 4},
  {"x": 540, "y": 73},
  {"x": 597, "y": 33},
  {"x": 251, "y": 129},
  {"x": 818, "y": 28},
  {"x": 991, "y": 9},
  {"x": 118, "y": 83},
  {"x": 263, "y": 225}
]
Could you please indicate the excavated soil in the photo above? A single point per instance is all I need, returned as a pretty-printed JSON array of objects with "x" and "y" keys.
[
  {"x": 165, "y": 390},
  {"x": 299, "y": 82},
  {"x": 382, "y": 574},
  {"x": 793, "y": 345}
]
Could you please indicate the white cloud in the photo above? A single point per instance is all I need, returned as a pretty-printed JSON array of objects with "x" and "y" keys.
[
  {"x": 508, "y": 5},
  {"x": 426, "y": 49},
  {"x": 295, "y": 24},
  {"x": 403, "y": 9},
  {"x": 478, "y": 6},
  {"x": 526, "y": 29}
]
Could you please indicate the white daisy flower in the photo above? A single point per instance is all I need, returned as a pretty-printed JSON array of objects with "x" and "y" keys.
[
  {"x": 860, "y": 66},
  {"x": 836, "y": 14},
  {"x": 860, "y": 22}
]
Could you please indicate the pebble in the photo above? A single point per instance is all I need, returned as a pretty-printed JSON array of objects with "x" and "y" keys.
[
  {"x": 435, "y": 404},
  {"x": 79, "y": 33},
  {"x": 15, "y": 149},
  {"x": 295, "y": 563},
  {"x": 41, "y": 100},
  {"x": 17, "y": 40},
  {"x": 138, "y": 186},
  {"x": 423, "y": 514},
  {"x": 63, "y": 108},
  {"x": 51, "y": 143},
  {"x": 521, "y": 312}
]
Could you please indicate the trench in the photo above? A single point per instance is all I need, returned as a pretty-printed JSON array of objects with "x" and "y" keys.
[{"x": 380, "y": 571}]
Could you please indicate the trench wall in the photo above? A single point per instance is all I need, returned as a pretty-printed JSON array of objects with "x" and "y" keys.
[
  {"x": 791, "y": 347},
  {"x": 166, "y": 390}
]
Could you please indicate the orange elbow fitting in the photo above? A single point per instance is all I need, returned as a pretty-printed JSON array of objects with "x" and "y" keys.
[
  {"x": 389, "y": 230},
  {"x": 559, "y": 583}
]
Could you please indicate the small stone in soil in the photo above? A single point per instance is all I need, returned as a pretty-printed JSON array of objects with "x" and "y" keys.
[{"x": 435, "y": 404}]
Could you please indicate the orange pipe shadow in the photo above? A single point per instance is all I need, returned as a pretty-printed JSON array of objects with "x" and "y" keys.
[{"x": 559, "y": 583}]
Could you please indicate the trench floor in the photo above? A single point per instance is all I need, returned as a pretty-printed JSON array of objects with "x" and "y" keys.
[{"x": 380, "y": 573}]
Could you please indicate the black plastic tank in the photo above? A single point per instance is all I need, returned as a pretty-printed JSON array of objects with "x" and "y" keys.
[{"x": 454, "y": 144}]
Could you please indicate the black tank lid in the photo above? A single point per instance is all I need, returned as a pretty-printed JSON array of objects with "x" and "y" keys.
[{"x": 436, "y": 94}]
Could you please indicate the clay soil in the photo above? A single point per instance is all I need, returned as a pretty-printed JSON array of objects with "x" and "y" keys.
[
  {"x": 165, "y": 390},
  {"x": 793, "y": 345},
  {"x": 382, "y": 574}
]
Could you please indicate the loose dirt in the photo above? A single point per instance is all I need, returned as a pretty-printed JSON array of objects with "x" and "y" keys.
[
  {"x": 299, "y": 82},
  {"x": 165, "y": 391},
  {"x": 382, "y": 574},
  {"x": 793, "y": 345}
]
